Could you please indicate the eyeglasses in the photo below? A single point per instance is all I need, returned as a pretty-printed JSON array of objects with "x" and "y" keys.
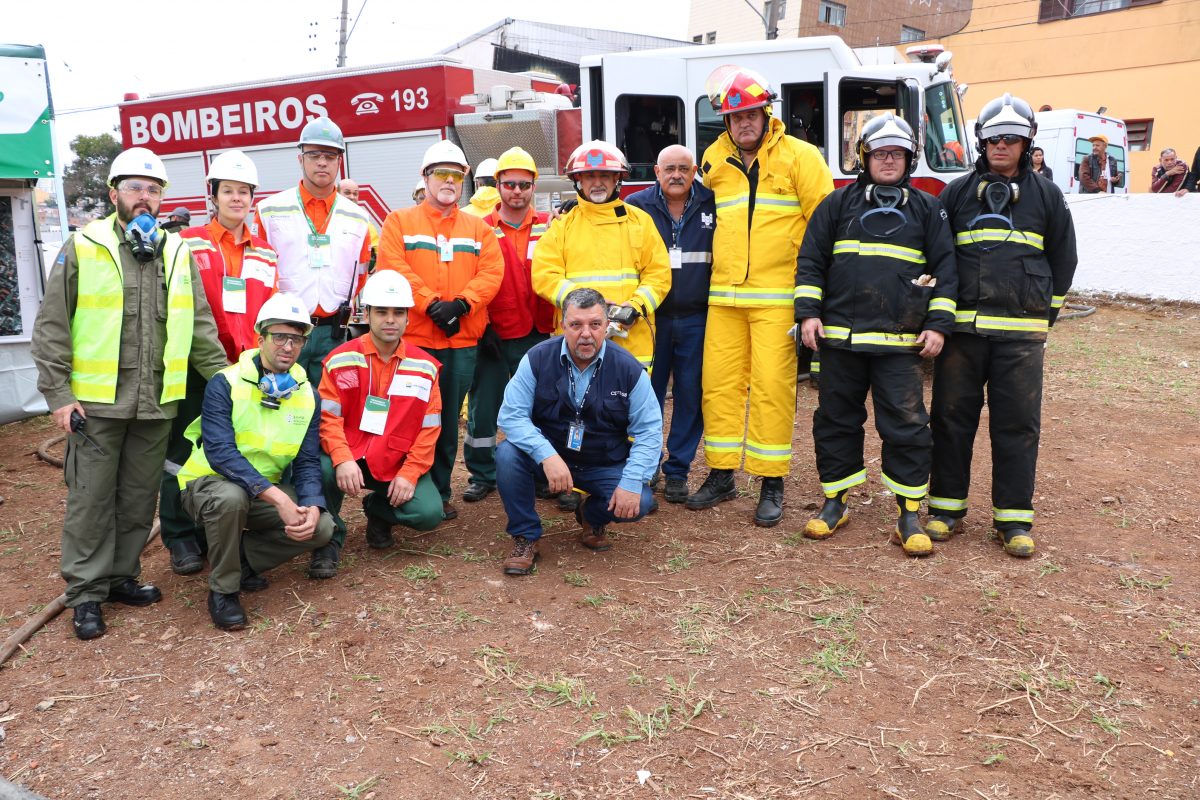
[
  {"x": 445, "y": 174},
  {"x": 321, "y": 155},
  {"x": 1007, "y": 138},
  {"x": 887, "y": 155},
  {"x": 134, "y": 187},
  {"x": 288, "y": 339},
  {"x": 681, "y": 169},
  {"x": 512, "y": 186}
]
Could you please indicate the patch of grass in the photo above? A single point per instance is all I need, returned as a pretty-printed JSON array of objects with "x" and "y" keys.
[
  {"x": 471, "y": 759},
  {"x": 994, "y": 756},
  {"x": 697, "y": 638},
  {"x": 495, "y": 663},
  {"x": 1048, "y": 568},
  {"x": 462, "y": 618},
  {"x": 597, "y": 600},
  {"x": 1110, "y": 725},
  {"x": 1109, "y": 686},
  {"x": 355, "y": 790},
  {"x": 1134, "y": 582},
  {"x": 419, "y": 572},
  {"x": 644, "y": 727},
  {"x": 577, "y": 579},
  {"x": 564, "y": 691},
  {"x": 635, "y": 679},
  {"x": 681, "y": 559},
  {"x": 606, "y": 737}
]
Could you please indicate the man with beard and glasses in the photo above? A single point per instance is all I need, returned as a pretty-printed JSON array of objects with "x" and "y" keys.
[{"x": 123, "y": 317}]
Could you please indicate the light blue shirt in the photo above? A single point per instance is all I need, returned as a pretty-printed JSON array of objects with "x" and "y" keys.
[{"x": 645, "y": 419}]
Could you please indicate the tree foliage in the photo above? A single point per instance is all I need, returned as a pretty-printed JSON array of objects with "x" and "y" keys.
[{"x": 86, "y": 180}]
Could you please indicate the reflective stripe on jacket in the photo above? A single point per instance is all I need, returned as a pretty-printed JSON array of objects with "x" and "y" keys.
[
  {"x": 861, "y": 285},
  {"x": 235, "y": 330},
  {"x": 287, "y": 228},
  {"x": 99, "y": 311},
  {"x": 760, "y": 227},
  {"x": 412, "y": 243},
  {"x": 413, "y": 383},
  {"x": 269, "y": 438},
  {"x": 1011, "y": 283}
]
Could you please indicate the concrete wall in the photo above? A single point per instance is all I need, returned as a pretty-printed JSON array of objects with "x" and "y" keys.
[
  {"x": 1145, "y": 245},
  {"x": 734, "y": 21}
]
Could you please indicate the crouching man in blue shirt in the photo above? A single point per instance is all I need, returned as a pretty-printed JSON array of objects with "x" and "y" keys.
[{"x": 569, "y": 414}]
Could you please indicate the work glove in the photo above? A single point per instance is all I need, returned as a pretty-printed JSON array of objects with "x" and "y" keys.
[
  {"x": 489, "y": 344},
  {"x": 448, "y": 314}
]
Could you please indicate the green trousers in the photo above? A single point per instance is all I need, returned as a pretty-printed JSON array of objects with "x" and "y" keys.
[
  {"x": 483, "y": 404},
  {"x": 458, "y": 371},
  {"x": 320, "y": 342},
  {"x": 422, "y": 513},
  {"x": 225, "y": 511},
  {"x": 175, "y": 523},
  {"x": 110, "y": 502}
]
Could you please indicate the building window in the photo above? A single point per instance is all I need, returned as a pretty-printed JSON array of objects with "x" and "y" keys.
[
  {"x": 1139, "y": 132},
  {"x": 908, "y": 34},
  {"x": 832, "y": 13},
  {"x": 1050, "y": 10},
  {"x": 698, "y": 38},
  {"x": 711, "y": 37},
  {"x": 767, "y": 8}
]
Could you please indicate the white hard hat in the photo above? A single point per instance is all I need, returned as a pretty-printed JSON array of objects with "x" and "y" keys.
[
  {"x": 486, "y": 168},
  {"x": 418, "y": 188},
  {"x": 233, "y": 165},
  {"x": 283, "y": 307},
  {"x": 444, "y": 152},
  {"x": 137, "y": 161},
  {"x": 387, "y": 289}
]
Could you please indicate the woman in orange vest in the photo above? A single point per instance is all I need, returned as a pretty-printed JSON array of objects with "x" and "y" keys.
[{"x": 237, "y": 270}]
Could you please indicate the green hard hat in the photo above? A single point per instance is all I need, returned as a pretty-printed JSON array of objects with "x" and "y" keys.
[{"x": 323, "y": 131}]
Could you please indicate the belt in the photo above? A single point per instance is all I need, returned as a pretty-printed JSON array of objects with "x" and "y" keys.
[{"x": 332, "y": 319}]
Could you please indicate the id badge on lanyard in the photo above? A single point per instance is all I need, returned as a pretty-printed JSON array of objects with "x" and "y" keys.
[
  {"x": 319, "y": 256},
  {"x": 374, "y": 416},
  {"x": 575, "y": 433},
  {"x": 676, "y": 258},
  {"x": 233, "y": 295},
  {"x": 445, "y": 249}
]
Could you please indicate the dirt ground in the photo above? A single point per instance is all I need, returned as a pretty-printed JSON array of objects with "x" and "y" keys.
[{"x": 702, "y": 657}]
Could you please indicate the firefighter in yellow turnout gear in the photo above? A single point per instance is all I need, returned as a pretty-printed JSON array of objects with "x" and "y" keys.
[
  {"x": 767, "y": 185},
  {"x": 606, "y": 245}
]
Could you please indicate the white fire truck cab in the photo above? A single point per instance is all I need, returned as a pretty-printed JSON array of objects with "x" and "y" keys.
[{"x": 643, "y": 101}]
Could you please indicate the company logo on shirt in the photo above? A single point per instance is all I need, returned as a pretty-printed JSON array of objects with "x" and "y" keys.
[{"x": 706, "y": 220}]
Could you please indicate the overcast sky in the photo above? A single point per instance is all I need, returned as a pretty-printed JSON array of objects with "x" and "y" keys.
[{"x": 97, "y": 52}]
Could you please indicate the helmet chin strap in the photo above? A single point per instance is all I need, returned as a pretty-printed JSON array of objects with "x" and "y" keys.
[{"x": 762, "y": 135}]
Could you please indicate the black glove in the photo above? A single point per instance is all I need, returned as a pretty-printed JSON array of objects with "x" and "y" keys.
[
  {"x": 489, "y": 344},
  {"x": 447, "y": 314},
  {"x": 625, "y": 315}
]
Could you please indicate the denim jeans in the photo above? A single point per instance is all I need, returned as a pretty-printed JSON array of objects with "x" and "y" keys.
[
  {"x": 679, "y": 352},
  {"x": 516, "y": 473}
]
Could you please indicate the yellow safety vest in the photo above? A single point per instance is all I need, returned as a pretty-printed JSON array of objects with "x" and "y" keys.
[
  {"x": 269, "y": 438},
  {"x": 100, "y": 307}
]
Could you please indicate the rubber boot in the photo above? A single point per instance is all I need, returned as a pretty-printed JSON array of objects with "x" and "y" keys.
[
  {"x": 770, "y": 503},
  {"x": 909, "y": 534},
  {"x": 718, "y": 487},
  {"x": 833, "y": 515},
  {"x": 940, "y": 528},
  {"x": 1017, "y": 542}
]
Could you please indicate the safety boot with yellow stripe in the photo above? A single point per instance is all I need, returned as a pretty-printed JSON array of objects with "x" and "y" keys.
[
  {"x": 908, "y": 533},
  {"x": 833, "y": 515},
  {"x": 1017, "y": 542},
  {"x": 940, "y": 528}
]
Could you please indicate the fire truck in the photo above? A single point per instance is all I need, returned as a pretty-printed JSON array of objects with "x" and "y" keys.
[
  {"x": 643, "y": 101},
  {"x": 389, "y": 114}
]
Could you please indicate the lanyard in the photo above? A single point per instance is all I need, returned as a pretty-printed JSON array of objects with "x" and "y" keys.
[
  {"x": 677, "y": 227},
  {"x": 586, "y": 391},
  {"x": 303, "y": 213}
]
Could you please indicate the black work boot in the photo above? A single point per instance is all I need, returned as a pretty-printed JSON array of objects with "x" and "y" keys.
[
  {"x": 676, "y": 491},
  {"x": 833, "y": 515},
  {"x": 569, "y": 501},
  {"x": 909, "y": 533},
  {"x": 226, "y": 611},
  {"x": 770, "y": 503},
  {"x": 89, "y": 620},
  {"x": 185, "y": 557},
  {"x": 717, "y": 488},
  {"x": 324, "y": 562}
]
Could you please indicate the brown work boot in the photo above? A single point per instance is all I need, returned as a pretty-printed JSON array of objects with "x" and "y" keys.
[
  {"x": 595, "y": 539},
  {"x": 520, "y": 560}
]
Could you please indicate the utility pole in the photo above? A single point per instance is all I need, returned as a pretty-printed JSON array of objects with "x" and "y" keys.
[{"x": 343, "y": 33}]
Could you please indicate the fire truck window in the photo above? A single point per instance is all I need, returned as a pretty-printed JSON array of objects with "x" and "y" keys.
[
  {"x": 709, "y": 126},
  {"x": 945, "y": 143},
  {"x": 803, "y": 112},
  {"x": 645, "y": 125},
  {"x": 852, "y": 125},
  {"x": 861, "y": 100}
]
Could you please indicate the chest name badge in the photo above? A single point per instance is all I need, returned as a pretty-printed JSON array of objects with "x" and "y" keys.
[
  {"x": 374, "y": 416},
  {"x": 233, "y": 295}
]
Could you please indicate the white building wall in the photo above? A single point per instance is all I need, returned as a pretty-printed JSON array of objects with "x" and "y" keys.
[
  {"x": 1144, "y": 245},
  {"x": 734, "y": 21}
]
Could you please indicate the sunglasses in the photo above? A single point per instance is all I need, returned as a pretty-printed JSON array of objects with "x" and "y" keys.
[
  {"x": 1007, "y": 138},
  {"x": 512, "y": 186},
  {"x": 443, "y": 174}
]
